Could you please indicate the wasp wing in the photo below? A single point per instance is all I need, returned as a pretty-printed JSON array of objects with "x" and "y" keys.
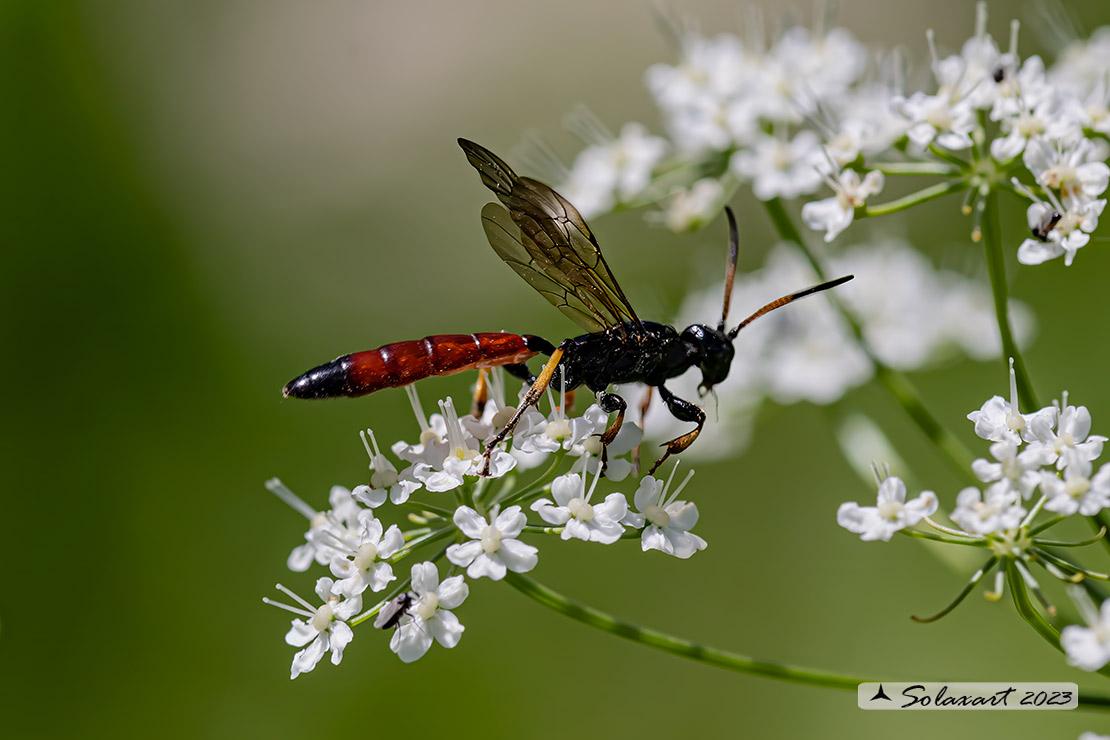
[
  {"x": 551, "y": 246},
  {"x": 507, "y": 240}
]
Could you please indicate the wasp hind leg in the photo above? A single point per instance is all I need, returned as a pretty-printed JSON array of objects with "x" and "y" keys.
[
  {"x": 610, "y": 402},
  {"x": 683, "y": 411},
  {"x": 532, "y": 398},
  {"x": 481, "y": 394}
]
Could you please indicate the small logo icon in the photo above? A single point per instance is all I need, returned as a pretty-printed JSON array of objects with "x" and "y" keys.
[{"x": 880, "y": 694}]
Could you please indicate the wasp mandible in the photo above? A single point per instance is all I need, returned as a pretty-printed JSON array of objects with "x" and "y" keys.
[{"x": 547, "y": 242}]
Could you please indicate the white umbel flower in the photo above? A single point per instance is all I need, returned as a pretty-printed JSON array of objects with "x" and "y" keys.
[
  {"x": 835, "y": 214},
  {"x": 580, "y": 519},
  {"x": 1000, "y": 421},
  {"x": 429, "y": 615},
  {"x": 1077, "y": 491},
  {"x": 362, "y": 564},
  {"x": 1015, "y": 471},
  {"x": 1070, "y": 439},
  {"x": 891, "y": 513},
  {"x": 322, "y": 629},
  {"x": 980, "y": 513},
  {"x": 493, "y": 548},
  {"x": 666, "y": 521}
]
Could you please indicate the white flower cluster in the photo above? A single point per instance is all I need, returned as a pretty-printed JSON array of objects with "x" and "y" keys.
[
  {"x": 911, "y": 315},
  {"x": 1051, "y": 451},
  {"x": 483, "y": 516},
  {"x": 813, "y": 108},
  {"x": 1043, "y": 461}
]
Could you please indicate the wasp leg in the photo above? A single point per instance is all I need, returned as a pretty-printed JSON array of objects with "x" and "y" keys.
[
  {"x": 683, "y": 411},
  {"x": 643, "y": 412},
  {"x": 535, "y": 393},
  {"x": 568, "y": 407},
  {"x": 610, "y": 402},
  {"x": 481, "y": 394}
]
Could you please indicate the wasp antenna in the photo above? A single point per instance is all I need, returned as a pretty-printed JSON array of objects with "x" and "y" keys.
[
  {"x": 730, "y": 269},
  {"x": 779, "y": 303}
]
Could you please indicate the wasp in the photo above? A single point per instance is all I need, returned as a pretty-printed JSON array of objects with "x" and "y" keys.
[{"x": 545, "y": 240}]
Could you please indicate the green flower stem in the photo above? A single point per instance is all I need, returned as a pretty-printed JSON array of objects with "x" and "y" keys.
[
  {"x": 381, "y": 604},
  {"x": 419, "y": 507},
  {"x": 1046, "y": 524},
  {"x": 1099, "y": 521},
  {"x": 707, "y": 655},
  {"x": 1066, "y": 566},
  {"x": 996, "y": 265},
  {"x": 941, "y": 538},
  {"x": 895, "y": 382},
  {"x": 675, "y": 645},
  {"x": 987, "y": 567},
  {"x": 1082, "y": 543},
  {"x": 915, "y": 168},
  {"x": 541, "y": 529},
  {"x": 948, "y": 157},
  {"x": 921, "y": 196},
  {"x": 435, "y": 536}
]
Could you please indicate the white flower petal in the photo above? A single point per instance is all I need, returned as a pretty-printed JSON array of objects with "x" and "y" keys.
[
  {"x": 518, "y": 556},
  {"x": 305, "y": 660},
  {"x": 446, "y": 628},
  {"x": 425, "y": 578},
  {"x": 452, "y": 592},
  {"x": 463, "y": 554},
  {"x": 411, "y": 640},
  {"x": 470, "y": 522}
]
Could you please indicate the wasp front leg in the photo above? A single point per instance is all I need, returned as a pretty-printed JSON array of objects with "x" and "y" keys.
[
  {"x": 532, "y": 398},
  {"x": 683, "y": 411},
  {"x": 610, "y": 402}
]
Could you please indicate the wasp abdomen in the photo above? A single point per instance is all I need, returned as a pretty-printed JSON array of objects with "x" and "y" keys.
[{"x": 401, "y": 363}]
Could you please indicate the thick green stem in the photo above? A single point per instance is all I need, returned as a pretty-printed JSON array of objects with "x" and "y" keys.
[
  {"x": 1025, "y": 607},
  {"x": 707, "y": 655},
  {"x": 996, "y": 265},
  {"x": 895, "y": 382},
  {"x": 675, "y": 645},
  {"x": 903, "y": 391}
]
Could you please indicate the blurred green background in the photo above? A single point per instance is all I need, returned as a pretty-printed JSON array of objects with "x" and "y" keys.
[{"x": 201, "y": 199}]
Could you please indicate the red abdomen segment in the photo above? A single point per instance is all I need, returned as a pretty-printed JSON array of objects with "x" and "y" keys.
[{"x": 398, "y": 364}]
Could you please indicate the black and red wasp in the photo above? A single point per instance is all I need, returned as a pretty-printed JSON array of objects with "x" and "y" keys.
[{"x": 547, "y": 242}]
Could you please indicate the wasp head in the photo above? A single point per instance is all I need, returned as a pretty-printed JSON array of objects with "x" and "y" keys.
[{"x": 712, "y": 351}]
